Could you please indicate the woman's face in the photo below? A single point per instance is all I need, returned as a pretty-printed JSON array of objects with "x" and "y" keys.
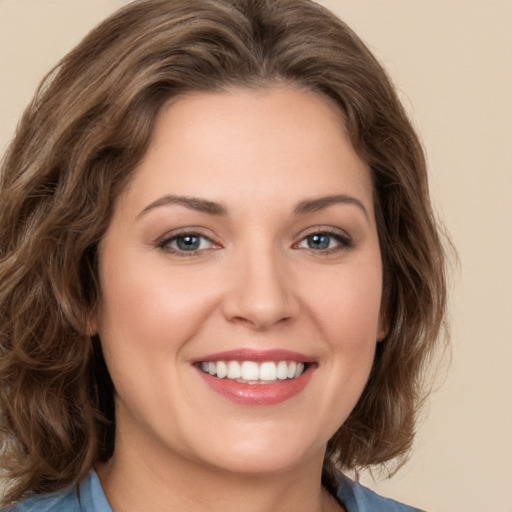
[{"x": 241, "y": 280}]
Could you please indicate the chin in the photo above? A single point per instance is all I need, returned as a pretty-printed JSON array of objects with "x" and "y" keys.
[
  {"x": 260, "y": 464},
  {"x": 265, "y": 454}
]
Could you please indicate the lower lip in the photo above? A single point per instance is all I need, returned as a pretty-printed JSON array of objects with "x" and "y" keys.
[{"x": 258, "y": 394}]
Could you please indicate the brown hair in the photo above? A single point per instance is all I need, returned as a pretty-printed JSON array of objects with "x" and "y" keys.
[{"x": 77, "y": 145}]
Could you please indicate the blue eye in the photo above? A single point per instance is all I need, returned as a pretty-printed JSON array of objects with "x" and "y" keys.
[
  {"x": 324, "y": 242},
  {"x": 319, "y": 241},
  {"x": 186, "y": 243}
]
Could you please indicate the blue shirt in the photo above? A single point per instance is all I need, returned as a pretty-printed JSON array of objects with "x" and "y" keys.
[{"x": 90, "y": 498}]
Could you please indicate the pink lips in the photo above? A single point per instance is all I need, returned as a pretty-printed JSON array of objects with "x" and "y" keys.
[
  {"x": 257, "y": 394},
  {"x": 258, "y": 356}
]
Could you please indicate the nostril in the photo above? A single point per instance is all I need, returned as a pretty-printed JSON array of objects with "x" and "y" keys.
[{"x": 259, "y": 292}]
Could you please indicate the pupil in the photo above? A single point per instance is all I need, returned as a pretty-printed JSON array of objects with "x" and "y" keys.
[
  {"x": 188, "y": 243},
  {"x": 318, "y": 241}
]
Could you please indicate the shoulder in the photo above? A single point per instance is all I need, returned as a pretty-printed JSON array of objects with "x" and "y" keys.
[
  {"x": 65, "y": 500},
  {"x": 357, "y": 498},
  {"x": 87, "y": 497}
]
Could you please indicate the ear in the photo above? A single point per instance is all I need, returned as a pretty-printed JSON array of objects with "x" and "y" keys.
[
  {"x": 91, "y": 325},
  {"x": 383, "y": 328}
]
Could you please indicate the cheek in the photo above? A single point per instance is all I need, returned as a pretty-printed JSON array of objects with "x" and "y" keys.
[
  {"x": 147, "y": 318},
  {"x": 347, "y": 316},
  {"x": 148, "y": 305},
  {"x": 347, "y": 305}
]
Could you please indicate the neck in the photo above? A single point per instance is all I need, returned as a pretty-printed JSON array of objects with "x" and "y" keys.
[{"x": 134, "y": 480}]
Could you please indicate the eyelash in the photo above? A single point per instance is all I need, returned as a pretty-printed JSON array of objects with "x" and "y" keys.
[
  {"x": 165, "y": 244},
  {"x": 343, "y": 242}
]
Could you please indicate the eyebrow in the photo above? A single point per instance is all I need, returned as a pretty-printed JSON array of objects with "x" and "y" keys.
[
  {"x": 217, "y": 209},
  {"x": 194, "y": 203},
  {"x": 320, "y": 203}
]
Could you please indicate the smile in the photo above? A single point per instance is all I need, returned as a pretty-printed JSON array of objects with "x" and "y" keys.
[
  {"x": 256, "y": 377},
  {"x": 252, "y": 372}
]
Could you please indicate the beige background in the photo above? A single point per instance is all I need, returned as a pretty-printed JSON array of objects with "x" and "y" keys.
[{"x": 452, "y": 63}]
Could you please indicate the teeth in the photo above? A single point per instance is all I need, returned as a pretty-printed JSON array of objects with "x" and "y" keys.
[
  {"x": 282, "y": 370},
  {"x": 250, "y": 371},
  {"x": 234, "y": 371},
  {"x": 222, "y": 369},
  {"x": 268, "y": 371}
]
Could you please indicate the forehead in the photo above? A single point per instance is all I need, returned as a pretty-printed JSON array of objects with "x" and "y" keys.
[{"x": 251, "y": 144}]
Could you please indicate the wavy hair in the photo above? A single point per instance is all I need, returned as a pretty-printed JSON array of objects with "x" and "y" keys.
[{"x": 77, "y": 146}]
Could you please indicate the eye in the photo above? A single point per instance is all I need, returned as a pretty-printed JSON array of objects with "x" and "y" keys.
[
  {"x": 183, "y": 243},
  {"x": 325, "y": 241}
]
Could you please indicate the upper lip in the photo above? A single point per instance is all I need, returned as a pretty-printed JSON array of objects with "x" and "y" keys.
[{"x": 259, "y": 356}]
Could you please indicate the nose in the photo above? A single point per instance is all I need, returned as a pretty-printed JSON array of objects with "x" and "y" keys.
[{"x": 260, "y": 292}]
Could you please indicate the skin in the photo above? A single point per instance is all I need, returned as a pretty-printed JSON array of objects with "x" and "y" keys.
[{"x": 254, "y": 282}]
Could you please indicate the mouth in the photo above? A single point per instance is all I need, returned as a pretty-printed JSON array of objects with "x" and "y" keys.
[
  {"x": 255, "y": 377},
  {"x": 253, "y": 372}
]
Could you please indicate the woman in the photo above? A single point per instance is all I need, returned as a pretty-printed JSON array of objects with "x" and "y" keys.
[{"x": 220, "y": 274}]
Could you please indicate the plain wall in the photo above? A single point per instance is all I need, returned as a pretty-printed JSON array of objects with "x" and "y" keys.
[{"x": 451, "y": 60}]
